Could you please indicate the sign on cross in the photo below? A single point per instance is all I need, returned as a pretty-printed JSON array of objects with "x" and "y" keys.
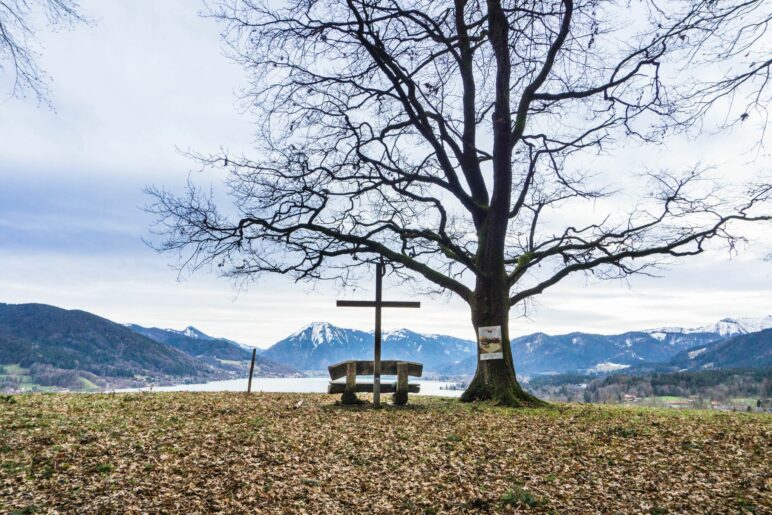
[{"x": 377, "y": 304}]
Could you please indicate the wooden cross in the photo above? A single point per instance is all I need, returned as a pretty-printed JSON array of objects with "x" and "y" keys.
[{"x": 377, "y": 304}]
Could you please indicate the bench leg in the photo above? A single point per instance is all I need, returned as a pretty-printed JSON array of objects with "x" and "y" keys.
[
  {"x": 400, "y": 396},
  {"x": 349, "y": 394}
]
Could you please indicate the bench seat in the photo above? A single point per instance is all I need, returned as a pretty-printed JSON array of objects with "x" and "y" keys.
[
  {"x": 387, "y": 387},
  {"x": 352, "y": 368}
]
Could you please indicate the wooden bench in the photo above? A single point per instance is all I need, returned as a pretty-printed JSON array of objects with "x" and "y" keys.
[{"x": 351, "y": 369}]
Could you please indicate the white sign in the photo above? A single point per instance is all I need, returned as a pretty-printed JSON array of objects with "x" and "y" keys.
[{"x": 489, "y": 340}]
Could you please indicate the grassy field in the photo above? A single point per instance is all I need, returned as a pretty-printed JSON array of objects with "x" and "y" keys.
[
  {"x": 203, "y": 452},
  {"x": 15, "y": 372}
]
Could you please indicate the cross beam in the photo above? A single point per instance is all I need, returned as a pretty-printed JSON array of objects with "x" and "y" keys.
[
  {"x": 374, "y": 304},
  {"x": 378, "y": 303}
]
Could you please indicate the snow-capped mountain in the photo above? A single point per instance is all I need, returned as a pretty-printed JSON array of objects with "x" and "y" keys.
[
  {"x": 319, "y": 333},
  {"x": 724, "y": 327},
  {"x": 191, "y": 332},
  {"x": 321, "y": 344}
]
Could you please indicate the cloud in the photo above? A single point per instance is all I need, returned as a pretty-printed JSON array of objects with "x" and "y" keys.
[
  {"x": 145, "y": 78},
  {"x": 149, "y": 78}
]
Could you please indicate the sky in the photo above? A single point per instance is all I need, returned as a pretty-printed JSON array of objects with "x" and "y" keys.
[{"x": 147, "y": 80}]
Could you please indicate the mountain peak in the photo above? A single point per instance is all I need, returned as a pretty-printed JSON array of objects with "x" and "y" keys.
[
  {"x": 314, "y": 325},
  {"x": 192, "y": 332},
  {"x": 402, "y": 333},
  {"x": 319, "y": 332},
  {"x": 734, "y": 326}
]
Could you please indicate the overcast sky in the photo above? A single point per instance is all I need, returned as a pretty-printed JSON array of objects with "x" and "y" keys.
[{"x": 149, "y": 78}]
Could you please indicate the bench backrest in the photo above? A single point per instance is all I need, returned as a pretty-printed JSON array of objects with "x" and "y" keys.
[{"x": 365, "y": 368}]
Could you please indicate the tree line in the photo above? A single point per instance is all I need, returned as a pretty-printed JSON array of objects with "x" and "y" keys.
[{"x": 716, "y": 385}]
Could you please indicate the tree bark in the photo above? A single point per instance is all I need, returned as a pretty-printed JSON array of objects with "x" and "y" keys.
[{"x": 495, "y": 379}]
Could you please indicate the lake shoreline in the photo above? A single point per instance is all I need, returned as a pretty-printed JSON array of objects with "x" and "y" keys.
[{"x": 284, "y": 385}]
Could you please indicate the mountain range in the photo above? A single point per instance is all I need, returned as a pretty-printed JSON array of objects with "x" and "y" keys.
[
  {"x": 540, "y": 354},
  {"x": 40, "y": 335},
  {"x": 65, "y": 347},
  {"x": 217, "y": 352},
  {"x": 320, "y": 344}
]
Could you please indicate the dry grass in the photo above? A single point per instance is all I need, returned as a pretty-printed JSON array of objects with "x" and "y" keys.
[{"x": 204, "y": 452}]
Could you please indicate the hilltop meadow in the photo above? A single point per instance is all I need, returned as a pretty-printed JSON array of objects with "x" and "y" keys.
[{"x": 300, "y": 453}]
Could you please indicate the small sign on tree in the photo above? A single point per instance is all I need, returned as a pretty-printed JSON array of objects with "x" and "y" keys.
[{"x": 489, "y": 340}]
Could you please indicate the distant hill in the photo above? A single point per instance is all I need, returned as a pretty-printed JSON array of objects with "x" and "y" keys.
[
  {"x": 218, "y": 352},
  {"x": 192, "y": 332},
  {"x": 71, "y": 339},
  {"x": 193, "y": 342},
  {"x": 321, "y": 344},
  {"x": 752, "y": 350}
]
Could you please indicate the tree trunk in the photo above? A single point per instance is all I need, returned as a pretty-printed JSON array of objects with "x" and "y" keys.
[{"x": 495, "y": 379}]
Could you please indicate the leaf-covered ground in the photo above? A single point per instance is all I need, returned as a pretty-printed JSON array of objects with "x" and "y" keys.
[{"x": 204, "y": 452}]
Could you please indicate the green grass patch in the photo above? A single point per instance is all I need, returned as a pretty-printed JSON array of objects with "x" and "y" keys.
[
  {"x": 11, "y": 467},
  {"x": 87, "y": 385},
  {"x": 104, "y": 468},
  {"x": 14, "y": 370},
  {"x": 522, "y": 498}
]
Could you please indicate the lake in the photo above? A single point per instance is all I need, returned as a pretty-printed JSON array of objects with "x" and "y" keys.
[{"x": 285, "y": 384}]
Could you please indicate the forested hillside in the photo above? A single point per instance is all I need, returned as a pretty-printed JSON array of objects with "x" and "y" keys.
[{"x": 56, "y": 347}]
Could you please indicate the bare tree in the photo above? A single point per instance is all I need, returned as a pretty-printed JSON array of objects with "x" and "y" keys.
[
  {"x": 453, "y": 140},
  {"x": 17, "y": 24}
]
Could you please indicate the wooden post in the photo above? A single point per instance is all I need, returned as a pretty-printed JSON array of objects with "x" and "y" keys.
[
  {"x": 251, "y": 370},
  {"x": 349, "y": 394},
  {"x": 400, "y": 396},
  {"x": 379, "y": 272}
]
